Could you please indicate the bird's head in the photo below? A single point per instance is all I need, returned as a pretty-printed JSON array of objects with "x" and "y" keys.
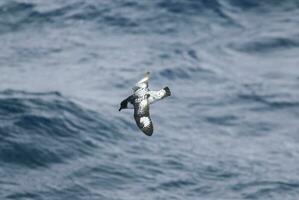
[{"x": 123, "y": 105}]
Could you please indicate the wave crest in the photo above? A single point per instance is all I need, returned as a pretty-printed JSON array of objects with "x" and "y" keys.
[{"x": 39, "y": 129}]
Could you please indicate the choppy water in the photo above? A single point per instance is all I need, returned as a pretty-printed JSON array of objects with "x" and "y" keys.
[{"x": 229, "y": 131}]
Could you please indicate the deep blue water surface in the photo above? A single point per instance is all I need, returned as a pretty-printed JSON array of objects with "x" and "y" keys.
[{"x": 229, "y": 131}]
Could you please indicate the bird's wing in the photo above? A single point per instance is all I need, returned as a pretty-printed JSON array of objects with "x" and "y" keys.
[
  {"x": 155, "y": 96},
  {"x": 143, "y": 83},
  {"x": 142, "y": 117}
]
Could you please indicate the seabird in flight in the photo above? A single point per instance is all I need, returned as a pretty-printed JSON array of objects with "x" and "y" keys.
[{"x": 140, "y": 100}]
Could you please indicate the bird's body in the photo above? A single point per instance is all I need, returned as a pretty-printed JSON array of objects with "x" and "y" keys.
[{"x": 140, "y": 100}]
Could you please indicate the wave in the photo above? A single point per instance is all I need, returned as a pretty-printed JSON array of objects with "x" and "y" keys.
[
  {"x": 190, "y": 7},
  {"x": 267, "y": 45},
  {"x": 148, "y": 17},
  {"x": 259, "y": 189},
  {"x": 269, "y": 101},
  {"x": 211, "y": 133},
  {"x": 185, "y": 72},
  {"x": 39, "y": 129},
  {"x": 18, "y": 16}
]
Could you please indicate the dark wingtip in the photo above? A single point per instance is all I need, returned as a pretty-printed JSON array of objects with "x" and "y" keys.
[
  {"x": 167, "y": 90},
  {"x": 148, "y": 133},
  {"x": 148, "y": 130}
]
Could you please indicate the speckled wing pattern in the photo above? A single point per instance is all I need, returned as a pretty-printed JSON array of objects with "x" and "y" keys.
[
  {"x": 142, "y": 115},
  {"x": 141, "y": 98}
]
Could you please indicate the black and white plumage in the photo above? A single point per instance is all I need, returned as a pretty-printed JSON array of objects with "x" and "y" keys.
[{"x": 140, "y": 101}]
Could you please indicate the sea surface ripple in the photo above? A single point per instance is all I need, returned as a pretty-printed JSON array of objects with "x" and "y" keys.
[{"x": 230, "y": 130}]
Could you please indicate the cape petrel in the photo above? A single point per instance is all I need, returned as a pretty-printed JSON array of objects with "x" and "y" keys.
[{"x": 140, "y": 100}]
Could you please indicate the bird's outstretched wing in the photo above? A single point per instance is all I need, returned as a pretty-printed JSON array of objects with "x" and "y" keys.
[
  {"x": 155, "y": 96},
  {"x": 142, "y": 116},
  {"x": 143, "y": 83}
]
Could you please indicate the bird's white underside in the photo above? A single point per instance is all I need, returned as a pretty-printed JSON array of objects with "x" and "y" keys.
[{"x": 145, "y": 121}]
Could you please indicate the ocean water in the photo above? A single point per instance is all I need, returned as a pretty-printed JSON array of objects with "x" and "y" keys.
[{"x": 230, "y": 130}]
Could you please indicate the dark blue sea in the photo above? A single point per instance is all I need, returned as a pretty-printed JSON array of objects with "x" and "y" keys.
[{"x": 229, "y": 131}]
